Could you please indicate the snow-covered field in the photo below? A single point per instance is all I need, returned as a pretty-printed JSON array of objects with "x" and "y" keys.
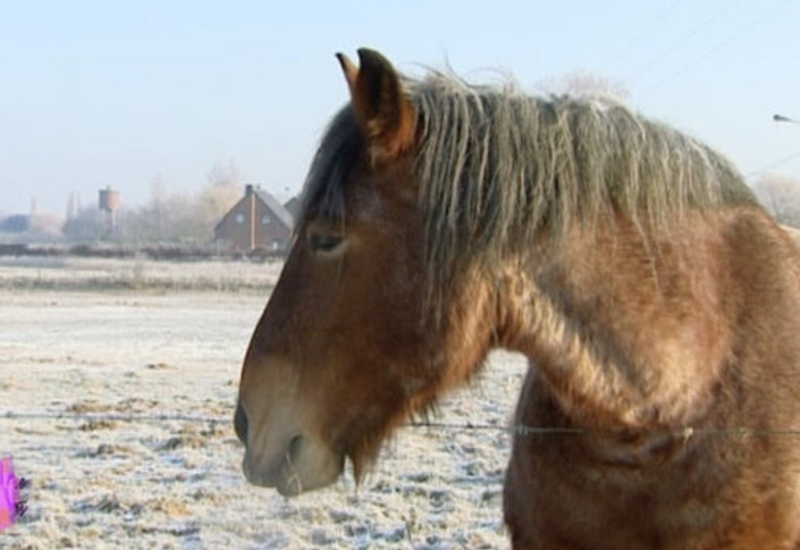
[{"x": 101, "y": 479}]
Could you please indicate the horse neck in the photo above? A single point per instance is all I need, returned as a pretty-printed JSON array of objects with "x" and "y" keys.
[{"x": 593, "y": 321}]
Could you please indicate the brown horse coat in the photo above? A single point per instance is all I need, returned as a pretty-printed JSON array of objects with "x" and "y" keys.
[
  {"x": 683, "y": 446},
  {"x": 657, "y": 302}
]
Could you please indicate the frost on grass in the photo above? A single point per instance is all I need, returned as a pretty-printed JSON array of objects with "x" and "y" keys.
[{"x": 111, "y": 483}]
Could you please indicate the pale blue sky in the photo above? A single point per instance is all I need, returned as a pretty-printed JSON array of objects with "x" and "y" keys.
[{"x": 96, "y": 93}]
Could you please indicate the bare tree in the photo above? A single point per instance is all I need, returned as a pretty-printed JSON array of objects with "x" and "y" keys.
[
  {"x": 225, "y": 174},
  {"x": 223, "y": 189},
  {"x": 585, "y": 83},
  {"x": 780, "y": 195},
  {"x": 182, "y": 224},
  {"x": 84, "y": 226},
  {"x": 45, "y": 225},
  {"x": 158, "y": 196},
  {"x": 170, "y": 217}
]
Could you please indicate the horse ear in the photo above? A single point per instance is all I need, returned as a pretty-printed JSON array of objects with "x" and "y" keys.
[{"x": 383, "y": 112}]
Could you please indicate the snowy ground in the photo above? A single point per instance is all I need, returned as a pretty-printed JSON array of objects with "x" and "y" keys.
[{"x": 103, "y": 481}]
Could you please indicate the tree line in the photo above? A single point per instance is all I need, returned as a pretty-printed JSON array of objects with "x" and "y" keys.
[
  {"x": 183, "y": 218},
  {"x": 780, "y": 195}
]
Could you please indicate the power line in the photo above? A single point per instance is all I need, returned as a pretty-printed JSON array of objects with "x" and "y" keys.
[
  {"x": 775, "y": 164},
  {"x": 645, "y": 31},
  {"x": 717, "y": 48},
  {"x": 691, "y": 34}
]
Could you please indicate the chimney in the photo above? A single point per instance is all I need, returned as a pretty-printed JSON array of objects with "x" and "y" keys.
[{"x": 248, "y": 189}]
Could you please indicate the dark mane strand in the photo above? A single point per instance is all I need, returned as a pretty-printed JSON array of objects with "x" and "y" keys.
[{"x": 340, "y": 149}]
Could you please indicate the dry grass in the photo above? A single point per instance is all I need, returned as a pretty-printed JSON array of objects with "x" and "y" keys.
[
  {"x": 82, "y": 274},
  {"x": 100, "y": 482}
]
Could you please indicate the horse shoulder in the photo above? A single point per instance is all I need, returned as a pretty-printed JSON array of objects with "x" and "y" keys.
[{"x": 704, "y": 332}]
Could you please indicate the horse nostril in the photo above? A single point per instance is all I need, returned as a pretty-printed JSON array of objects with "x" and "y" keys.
[
  {"x": 240, "y": 423},
  {"x": 294, "y": 446}
]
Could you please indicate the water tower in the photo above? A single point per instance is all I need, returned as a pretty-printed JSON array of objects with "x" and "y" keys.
[{"x": 109, "y": 204}]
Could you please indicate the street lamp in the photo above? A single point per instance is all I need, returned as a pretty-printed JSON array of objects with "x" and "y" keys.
[{"x": 781, "y": 118}]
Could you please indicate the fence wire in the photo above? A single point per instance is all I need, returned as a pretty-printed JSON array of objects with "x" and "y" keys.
[{"x": 516, "y": 429}]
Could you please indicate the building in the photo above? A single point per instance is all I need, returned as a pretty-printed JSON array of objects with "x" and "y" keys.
[
  {"x": 258, "y": 222},
  {"x": 17, "y": 223},
  {"x": 108, "y": 203}
]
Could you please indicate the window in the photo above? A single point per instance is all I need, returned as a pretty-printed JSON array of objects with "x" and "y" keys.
[
  {"x": 266, "y": 220},
  {"x": 239, "y": 218}
]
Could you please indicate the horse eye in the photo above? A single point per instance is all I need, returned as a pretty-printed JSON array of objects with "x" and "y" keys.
[{"x": 324, "y": 242}]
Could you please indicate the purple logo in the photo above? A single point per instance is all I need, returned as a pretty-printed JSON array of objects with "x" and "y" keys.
[{"x": 12, "y": 506}]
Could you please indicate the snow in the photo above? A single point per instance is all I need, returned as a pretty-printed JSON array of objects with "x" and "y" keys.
[{"x": 101, "y": 480}]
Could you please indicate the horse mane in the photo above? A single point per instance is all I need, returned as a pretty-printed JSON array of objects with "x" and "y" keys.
[{"x": 495, "y": 167}]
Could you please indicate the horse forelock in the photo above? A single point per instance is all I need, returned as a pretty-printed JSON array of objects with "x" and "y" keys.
[
  {"x": 340, "y": 149},
  {"x": 495, "y": 167}
]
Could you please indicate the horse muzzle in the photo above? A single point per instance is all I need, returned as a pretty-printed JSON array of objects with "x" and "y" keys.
[{"x": 285, "y": 460}]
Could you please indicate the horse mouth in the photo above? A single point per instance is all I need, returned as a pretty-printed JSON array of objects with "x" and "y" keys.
[
  {"x": 280, "y": 478},
  {"x": 304, "y": 466}
]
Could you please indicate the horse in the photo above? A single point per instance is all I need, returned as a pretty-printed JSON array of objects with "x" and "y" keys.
[{"x": 656, "y": 300}]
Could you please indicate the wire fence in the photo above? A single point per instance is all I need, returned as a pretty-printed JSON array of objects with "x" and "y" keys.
[
  {"x": 180, "y": 528},
  {"x": 515, "y": 429}
]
